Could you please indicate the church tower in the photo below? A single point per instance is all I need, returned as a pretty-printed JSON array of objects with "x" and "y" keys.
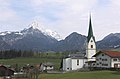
[{"x": 91, "y": 45}]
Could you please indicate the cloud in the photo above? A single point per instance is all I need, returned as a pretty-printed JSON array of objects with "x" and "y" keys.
[
  {"x": 64, "y": 16},
  {"x": 116, "y": 2},
  {"x": 8, "y": 17},
  {"x": 67, "y": 14},
  {"x": 106, "y": 18},
  {"x": 54, "y": 14},
  {"x": 6, "y": 13},
  {"x": 75, "y": 16}
]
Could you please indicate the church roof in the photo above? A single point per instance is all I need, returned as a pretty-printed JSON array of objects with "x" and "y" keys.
[
  {"x": 75, "y": 56},
  {"x": 90, "y": 31}
]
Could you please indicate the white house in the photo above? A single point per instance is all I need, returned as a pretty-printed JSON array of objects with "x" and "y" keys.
[
  {"x": 107, "y": 59},
  {"x": 73, "y": 62},
  {"x": 46, "y": 66}
]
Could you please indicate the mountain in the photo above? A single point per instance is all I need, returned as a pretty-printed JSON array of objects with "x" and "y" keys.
[
  {"x": 76, "y": 42},
  {"x": 34, "y": 39},
  {"x": 28, "y": 39},
  {"x": 47, "y": 32},
  {"x": 37, "y": 38},
  {"x": 112, "y": 41},
  {"x": 34, "y": 27},
  {"x": 73, "y": 42}
]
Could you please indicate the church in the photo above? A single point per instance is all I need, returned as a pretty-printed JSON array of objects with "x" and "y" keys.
[{"x": 78, "y": 61}]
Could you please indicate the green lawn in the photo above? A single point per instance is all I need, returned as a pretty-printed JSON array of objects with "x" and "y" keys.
[
  {"x": 83, "y": 75},
  {"x": 69, "y": 75},
  {"x": 32, "y": 61}
]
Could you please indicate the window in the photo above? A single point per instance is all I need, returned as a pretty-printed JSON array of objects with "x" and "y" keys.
[
  {"x": 115, "y": 59},
  {"x": 97, "y": 64},
  {"x": 77, "y": 62},
  {"x": 105, "y": 59},
  {"x": 91, "y": 40},
  {"x": 119, "y": 59},
  {"x": 104, "y": 64},
  {"x": 50, "y": 66},
  {"x": 102, "y": 54},
  {"x": 97, "y": 59},
  {"x": 91, "y": 46}
]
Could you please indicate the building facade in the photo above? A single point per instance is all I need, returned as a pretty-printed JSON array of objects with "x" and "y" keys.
[
  {"x": 73, "y": 62},
  {"x": 107, "y": 59},
  {"x": 46, "y": 66}
]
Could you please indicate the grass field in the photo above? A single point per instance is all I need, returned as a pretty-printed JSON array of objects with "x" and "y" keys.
[
  {"x": 83, "y": 75},
  {"x": 69, "y": 75},
  {"x": 32, "y": 61}
]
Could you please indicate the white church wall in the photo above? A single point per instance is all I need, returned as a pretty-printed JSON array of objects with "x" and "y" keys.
[
  {"x": 73, "y": 64},
  {"x": 67, "y": 64},
  {"x": 77, "y": 64}
]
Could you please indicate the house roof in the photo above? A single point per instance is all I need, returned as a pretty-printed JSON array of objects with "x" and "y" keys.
[
  {"x": 2, "y": 66},
  {"x": 113, "y": 54},
  {"x": 48, "y": 64}
]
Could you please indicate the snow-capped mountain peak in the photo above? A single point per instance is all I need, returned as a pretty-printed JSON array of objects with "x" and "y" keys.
[
  {"x": 4, "y": 33},
  {"x": 34, "y": 27},
  {"x": 47, "y": 32},
  {"x": 53, "y": 34}
]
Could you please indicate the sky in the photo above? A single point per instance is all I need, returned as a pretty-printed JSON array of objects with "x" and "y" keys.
[{"x": 62, "y": 16}]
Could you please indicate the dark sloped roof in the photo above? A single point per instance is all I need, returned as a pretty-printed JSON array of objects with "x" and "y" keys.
[
  {"x": 113, "y": 54},
  {"x": 90, "y": 31},
  {"x": 2, "y": 66},
  {"x": 75, "y": 56}
]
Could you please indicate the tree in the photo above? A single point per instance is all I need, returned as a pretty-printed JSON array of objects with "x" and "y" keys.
[{"x": 33, "y": 72}]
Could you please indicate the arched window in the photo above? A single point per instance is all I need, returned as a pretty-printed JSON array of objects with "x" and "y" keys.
[
  {"x": 91, "y": 46},
  {"x": 77, "y": 61}
]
